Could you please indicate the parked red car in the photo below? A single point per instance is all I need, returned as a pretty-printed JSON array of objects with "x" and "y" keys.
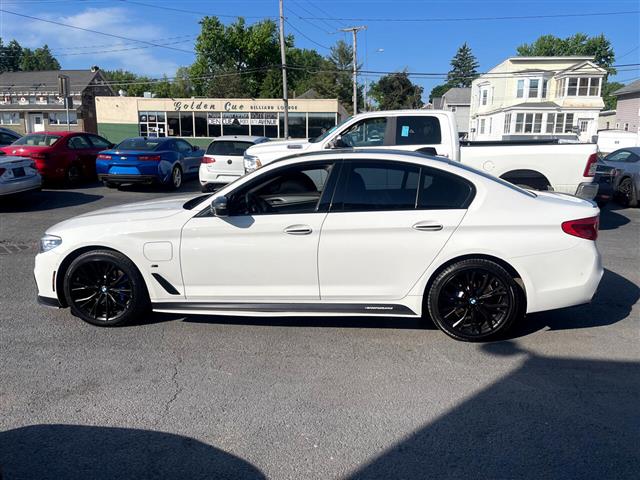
[{"x": 60, "y": 156}]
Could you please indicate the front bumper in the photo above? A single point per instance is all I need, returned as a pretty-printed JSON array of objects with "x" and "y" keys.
[
  {"x": 106, "y": 177},
  {"x": 49, "y": 302}
]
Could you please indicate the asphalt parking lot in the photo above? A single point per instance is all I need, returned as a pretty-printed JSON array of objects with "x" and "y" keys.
[{"x": 216, "y": 397}]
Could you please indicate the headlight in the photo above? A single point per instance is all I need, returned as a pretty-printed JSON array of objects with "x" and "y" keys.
[
  {"x": 251, "y": 163},
  {"x": 49, "y": 242}
]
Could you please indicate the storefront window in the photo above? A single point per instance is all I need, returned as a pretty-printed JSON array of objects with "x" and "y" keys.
[
  {"x": 297, "y": 125},
  {"x": 152, "y": 124},
  {"x": 200, "y": 120},
  {"x": 60, "y": 118},
  {"x": 9, "y": 118},
  {"x": 186, "y": 124},
  {"x": 235, "y": 123},
  {"x": 320, "y": 123},
  {"x": 173, "y": 124},
  {"x": 264, "y": 124},
  {"x": 214, "y": 121}
]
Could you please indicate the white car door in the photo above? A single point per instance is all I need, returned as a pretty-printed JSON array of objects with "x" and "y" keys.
[
  {"x": 387, "y": 223},
  {"x": 266, "y": 248}
]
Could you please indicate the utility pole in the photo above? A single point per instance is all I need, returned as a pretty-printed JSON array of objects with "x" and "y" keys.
[
  {"x": 283, "y": 57},
  {"x": 354, "y": 31}
]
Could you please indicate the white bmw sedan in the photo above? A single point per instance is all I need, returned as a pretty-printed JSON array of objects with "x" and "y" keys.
[{"x": 334, "y": 233}]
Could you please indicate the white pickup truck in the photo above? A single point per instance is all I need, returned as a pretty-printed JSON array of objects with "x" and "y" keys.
[{"x": 540, "y": 165}]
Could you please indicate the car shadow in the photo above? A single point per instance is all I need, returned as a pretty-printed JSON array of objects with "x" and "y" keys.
[
  {"x": 610, "y": 219},
  {"x": 613, "y": 302},
  {"x": 46, "y": 200},
  {"x": 89, "y": 452},
  {"x": 549, "y": 418},
  {"x": 188, "y": 186}
]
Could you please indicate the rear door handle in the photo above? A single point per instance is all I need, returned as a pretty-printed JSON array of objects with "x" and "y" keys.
[
  {"x": 427, "y": 226},
  {"x": 298, "y": 230}
]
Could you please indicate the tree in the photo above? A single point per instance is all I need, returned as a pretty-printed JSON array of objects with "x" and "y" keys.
[
  {"x": 464, "y": 68},
  {"x": 10, "y": 56},
  {"x": 598, "y": 47},
  {"x": 38, "y": 60},
  {"x": 233, "y": 60},
  {"x": 134, "y": 85},
  {"x": 438, "y": 91},
  {"x": 395, "y": 91},
  {"x": 610, "y": 102},
  {"x": 341, "y": 60}
]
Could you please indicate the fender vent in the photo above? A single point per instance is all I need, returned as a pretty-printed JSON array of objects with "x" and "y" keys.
[{"x": 170, "y": 289}]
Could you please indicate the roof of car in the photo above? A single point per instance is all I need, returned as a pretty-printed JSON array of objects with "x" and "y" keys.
[
  {"x": 242, "y": 138},
  {"x": 365, "y": 151}
]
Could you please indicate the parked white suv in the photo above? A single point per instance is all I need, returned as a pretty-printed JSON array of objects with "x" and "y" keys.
[
  {"x": 537, "y": 164},
  {"x": 223, "y": 162}
]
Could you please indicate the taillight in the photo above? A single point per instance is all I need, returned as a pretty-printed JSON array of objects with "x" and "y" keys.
[
  {"x": 102, "y": 156},
  {"x": 586, "y": 228},
  {"x": 206, "y": 159},
  {"x": 39, "y": 155},
  {"x": 148, "y": 158},
  {"x": 590, "y": 169},
  {"x": 2, "y": 170}
]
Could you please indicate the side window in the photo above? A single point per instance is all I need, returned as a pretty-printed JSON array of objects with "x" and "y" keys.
[
  {"x": 6, "y": 139},
  {"x": 418, "y": 130},
  {"x": 377, "y": 186},
  {"x": 295, "y": 189},
  {"x": 99, "y": 142},
  {"x": 78, "y": 143},
  {"x": 183, "y": 147},
  {"x": 370, "y": 132},
  {"x": 623, "y": 156},
  {"x": 442, "y": 191}
]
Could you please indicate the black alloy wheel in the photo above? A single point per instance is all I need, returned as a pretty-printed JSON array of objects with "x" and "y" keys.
[
  {"x": 104, "y": 288},
  {"x": 474, "y": 300},
  {"x": 627, "y": 193}
]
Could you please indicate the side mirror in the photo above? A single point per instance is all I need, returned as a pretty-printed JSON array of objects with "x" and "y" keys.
[
  {"x": 219, "y": 206},
  {"x": 339, "y": 143},
  {"x": 195, "y": 148}
]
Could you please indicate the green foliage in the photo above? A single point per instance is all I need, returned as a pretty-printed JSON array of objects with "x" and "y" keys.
[
  {"x": 464, "y": 68},
  {"x": 396, "y": 91},
  {"x": 598, "y": 47},
  {"x": 135, "y": 85},
  {"x": 608, "y": 88},
  {"x": 14, "y": 58},
  {"x": 438, "y": 91}
]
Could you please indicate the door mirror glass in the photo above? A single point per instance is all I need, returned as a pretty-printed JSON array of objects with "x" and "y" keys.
[
  {"x": 219, "y": 206},
  {"x": 195, "y": 148}
]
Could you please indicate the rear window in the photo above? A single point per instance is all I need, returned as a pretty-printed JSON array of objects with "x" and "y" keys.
[
  {"x": 139, "y": 144},
  {"x": 37, "y": 140},
  {"x": 231, "y": 148},
  {"x": 418, "y": 130}
]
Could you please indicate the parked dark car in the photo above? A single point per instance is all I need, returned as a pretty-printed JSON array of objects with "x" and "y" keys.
[
  {"x": 149, "y": 160},
  {"x": 61, "y": 156},
  {"x": 626, "y": 175},
  {"x": 7, "y": 137},
  {"x": 604, "y": 177}
]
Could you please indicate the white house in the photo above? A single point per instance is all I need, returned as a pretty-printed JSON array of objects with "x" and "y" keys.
[
  {"x": 458, "y": 101},
  {"x": 537, "y": 97}
]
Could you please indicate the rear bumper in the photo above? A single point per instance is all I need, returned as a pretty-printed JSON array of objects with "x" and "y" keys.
[
  {"x": 217, "y": 177},
  {"x": 106, "y": 177},
  {"x": 19, "y": 185}
]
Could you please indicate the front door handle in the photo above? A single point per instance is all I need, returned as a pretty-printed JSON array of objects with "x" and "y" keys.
[
  {"x": 427, "y": 226},
  {"x": 298, "y": 230}
]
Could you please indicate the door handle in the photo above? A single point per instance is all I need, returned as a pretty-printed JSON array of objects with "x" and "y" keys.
[
  {"x": 298, "y": 230},
  {"x": 427, "y": 226}
]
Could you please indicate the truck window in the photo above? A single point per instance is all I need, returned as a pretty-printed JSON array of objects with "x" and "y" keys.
[
  {"x": 418, "y": 130},
  {"x": 369, "y": 132}
]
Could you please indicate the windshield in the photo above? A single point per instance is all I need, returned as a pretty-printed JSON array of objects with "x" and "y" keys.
[
  {"x": 329, "y": 132},
  {"x": 139, "y": 144},
  {"x": 38, "y": 140},
  {"x": 226, "y": 147}
]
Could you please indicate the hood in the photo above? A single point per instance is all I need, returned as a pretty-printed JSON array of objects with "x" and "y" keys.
[
  {"x": 292, "y": 146},
  {"x": 131, "y": 212}
]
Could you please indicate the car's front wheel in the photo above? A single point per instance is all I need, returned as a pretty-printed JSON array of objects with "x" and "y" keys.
[
  {"x": 105, "y": 288},
  {"x": 474, "y": 300}
]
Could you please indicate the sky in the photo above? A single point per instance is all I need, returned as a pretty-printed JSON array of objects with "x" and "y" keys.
[{"x": 387, "y": 45}]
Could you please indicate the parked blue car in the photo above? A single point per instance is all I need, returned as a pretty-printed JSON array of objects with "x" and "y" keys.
[{"x": 149, "y": 160}]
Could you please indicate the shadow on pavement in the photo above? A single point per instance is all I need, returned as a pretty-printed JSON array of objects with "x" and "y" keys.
[
  {"x": 188, "y": 186},
  {"x": 551, "y": 418},
  {"x": 613, "y": 303},
  {"x": 87, "y": 452},
  {"x": 46, "y": 200},
  {"x": 610, "y": 219}
]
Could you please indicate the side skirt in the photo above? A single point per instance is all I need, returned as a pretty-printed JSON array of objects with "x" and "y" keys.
[{"x": 315, "y": 308}]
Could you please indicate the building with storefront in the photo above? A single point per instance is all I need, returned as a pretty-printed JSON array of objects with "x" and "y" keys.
[
  {"x": 200, "y": 119},
  {"x": 29, "y": 101}
]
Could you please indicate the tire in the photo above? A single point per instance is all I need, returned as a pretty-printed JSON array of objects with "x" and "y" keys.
[
  {"x": 627, "y": 195},
  {"x": 105, "y": 288},
  {"x": 474, "y": 300},
  {"x": 73, "y": 175},
  {"x": 175, "y": 181}
]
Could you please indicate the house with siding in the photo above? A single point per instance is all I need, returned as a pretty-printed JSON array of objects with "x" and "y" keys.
[
  {"x": 628, "y": 108},
  {"x": 537, "y": 97},
  {"x": 458, "y": 101}
]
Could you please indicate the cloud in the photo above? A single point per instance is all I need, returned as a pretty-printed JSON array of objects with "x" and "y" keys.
[{"x": 68, "y": 43}]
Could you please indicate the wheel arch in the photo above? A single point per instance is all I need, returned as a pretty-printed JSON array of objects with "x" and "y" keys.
[
  {"x": 536, "y": 179},
  {"x": 64, "y": 266},
  {"x": 503, "y": 263}
]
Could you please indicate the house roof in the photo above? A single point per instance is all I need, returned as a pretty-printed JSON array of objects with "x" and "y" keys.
[
  {"x": 437, "y": 103},
  {"x": 632, "y": 87},
  {"x": 46, "y": 80},
  {"x": 590, "y": 67},
  {"x": 536, "y": 105},
  {"x": 458, "y": 96},
  {"x": 577, "y": 58}
]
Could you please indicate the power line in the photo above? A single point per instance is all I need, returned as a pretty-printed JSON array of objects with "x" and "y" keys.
[
  {"x": 311, "y": 13},
  {"x": 472, "y": 19},
  {"x": 340, "y": 24},
  {"x": 305, "y": 36},
  {"x": 195, "y": 12},
  {"x": 308, "y": 21},
  {"x": 113, "y": 35},
  {"x": 103, "y": 45}
]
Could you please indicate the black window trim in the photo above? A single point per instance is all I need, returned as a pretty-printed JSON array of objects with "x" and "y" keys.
[{"x": 465, "y": 205}]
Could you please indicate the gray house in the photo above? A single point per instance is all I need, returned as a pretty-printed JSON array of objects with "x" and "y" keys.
[
  {"x": 628, "y": 108},
  {"x": 458, "y": 101}
]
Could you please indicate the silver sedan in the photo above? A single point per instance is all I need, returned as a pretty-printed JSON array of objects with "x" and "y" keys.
[{"x": 18, "y": 174}]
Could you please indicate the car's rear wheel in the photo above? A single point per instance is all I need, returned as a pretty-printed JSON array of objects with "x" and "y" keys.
[
  {"x": 627, "y": 194},
  {"x": 474, "y": 300},
  {"x": 73, "y": 175},
  {"x": 175, "y": 182},
  {"x": 105, "y": 288}
]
